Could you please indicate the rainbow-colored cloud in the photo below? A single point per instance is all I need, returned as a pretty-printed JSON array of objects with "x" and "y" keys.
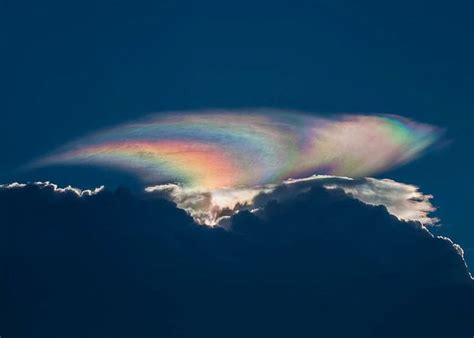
[{"x": 235, "y": 149}]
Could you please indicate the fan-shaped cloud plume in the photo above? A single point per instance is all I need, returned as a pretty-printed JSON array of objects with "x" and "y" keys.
[{"x": 244, "y": 149}]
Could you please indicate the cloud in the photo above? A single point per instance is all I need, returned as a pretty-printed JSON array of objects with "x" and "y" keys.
[
  {"x": 320, "y": 263},
  {"x": 54, "y": 187},
  {"x": 236, "y": 149},
  {"x": 404, "y": 201},
  {"x": 208, "y": 207}
]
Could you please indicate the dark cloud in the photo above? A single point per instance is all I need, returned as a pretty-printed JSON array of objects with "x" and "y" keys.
[{"x": 319, "y": 264}]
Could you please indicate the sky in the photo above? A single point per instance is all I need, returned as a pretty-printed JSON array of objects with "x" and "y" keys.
[{"x": 70, "y": 69}]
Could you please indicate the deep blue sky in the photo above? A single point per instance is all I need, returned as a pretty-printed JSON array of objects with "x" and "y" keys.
[{"x": 68, "y": 69}]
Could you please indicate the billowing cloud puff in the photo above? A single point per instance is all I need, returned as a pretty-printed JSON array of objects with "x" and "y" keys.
[
  {"x": 404, "y": 201},
  {"x": 244, "y": 149},
  {"x": 319, "y": 264}
]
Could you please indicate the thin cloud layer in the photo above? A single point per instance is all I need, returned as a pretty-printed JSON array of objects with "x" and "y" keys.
[{"x": 244, "y": 149}]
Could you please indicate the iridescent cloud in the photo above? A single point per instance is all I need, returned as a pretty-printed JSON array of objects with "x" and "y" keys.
[{"x": 238, "y": 149}]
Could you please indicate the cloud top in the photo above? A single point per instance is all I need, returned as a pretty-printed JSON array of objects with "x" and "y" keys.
[
  {"x": 213, "y": 207},
  {"x": 230, "y": 149},
  {"x": 54, "y": 187}
]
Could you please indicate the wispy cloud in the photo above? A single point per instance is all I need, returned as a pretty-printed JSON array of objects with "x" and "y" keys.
[{"x": 245, "y": 148}]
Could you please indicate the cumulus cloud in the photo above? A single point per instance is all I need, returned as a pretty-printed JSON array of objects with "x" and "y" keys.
[
  {"x": 321, "y": 263},
  {"x": 211, "y": 207}
]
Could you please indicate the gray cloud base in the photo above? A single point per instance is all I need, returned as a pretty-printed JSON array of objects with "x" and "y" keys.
[{"x": 320, "y": 263}]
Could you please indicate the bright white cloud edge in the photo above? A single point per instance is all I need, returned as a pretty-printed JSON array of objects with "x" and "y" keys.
[
  {"x": 405, "y": 201},
  {"x": 213, "y": 208}
]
